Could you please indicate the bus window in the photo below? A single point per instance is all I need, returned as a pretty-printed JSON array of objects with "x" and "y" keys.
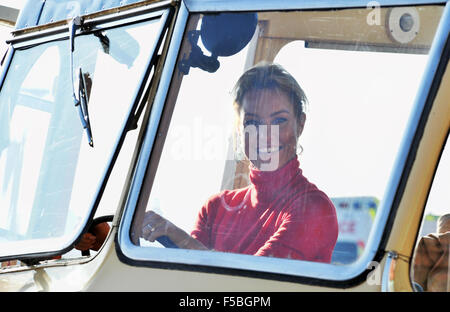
[
  {"x": 283, "y": 150},
  {"x": 49, "y": 174}
]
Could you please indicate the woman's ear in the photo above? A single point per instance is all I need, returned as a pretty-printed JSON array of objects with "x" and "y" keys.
[{"x": 301, "y": 124}]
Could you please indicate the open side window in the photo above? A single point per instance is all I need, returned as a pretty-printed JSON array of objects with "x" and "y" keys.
[{"x": 51, "y": 177}]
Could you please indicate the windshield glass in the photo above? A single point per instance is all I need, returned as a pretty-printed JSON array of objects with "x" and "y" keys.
[
  {"x": 49, "y": 174},
  {"x": 284, "y": 148}
]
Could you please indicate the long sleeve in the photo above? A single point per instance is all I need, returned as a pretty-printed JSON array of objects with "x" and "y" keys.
[
  {"x": 280, "y": 214},
  {"x": 201, "y": 230}
]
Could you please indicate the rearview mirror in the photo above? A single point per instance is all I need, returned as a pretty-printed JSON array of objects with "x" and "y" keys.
[{"x": 222, "y": 34}]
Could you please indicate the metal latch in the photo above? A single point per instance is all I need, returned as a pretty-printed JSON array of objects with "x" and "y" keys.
[{"x": 387, "y": 280}]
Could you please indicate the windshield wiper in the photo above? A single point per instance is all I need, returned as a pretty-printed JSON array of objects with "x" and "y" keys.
[
  {"x": 82, "y": 106},
  {"x": 80, "y": 97}
]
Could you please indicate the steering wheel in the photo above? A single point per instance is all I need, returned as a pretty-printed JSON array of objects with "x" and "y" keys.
[{"x": 95, "y": 222}]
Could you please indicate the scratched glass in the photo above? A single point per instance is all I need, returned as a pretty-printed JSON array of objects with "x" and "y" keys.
[
  {"x": 49, "y": 174},
  {"x": 205, "y": 182}
]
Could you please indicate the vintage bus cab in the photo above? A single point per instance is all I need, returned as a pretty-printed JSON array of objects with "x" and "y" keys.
[{"x": 112, "y": 109}]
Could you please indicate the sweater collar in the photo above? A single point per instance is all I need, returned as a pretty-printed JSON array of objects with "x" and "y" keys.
[{"x": 268, "y": 184}]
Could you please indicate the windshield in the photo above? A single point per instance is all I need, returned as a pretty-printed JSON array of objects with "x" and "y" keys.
[
  {"x": 49, "y": 174},
  {"x": 288, "y": 148}
]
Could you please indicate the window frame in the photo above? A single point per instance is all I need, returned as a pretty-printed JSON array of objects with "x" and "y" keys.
[
  {"x": 251, "y": 266},
  {"x": 162, "y": 13},
  {"x": 445, "y": 149}
]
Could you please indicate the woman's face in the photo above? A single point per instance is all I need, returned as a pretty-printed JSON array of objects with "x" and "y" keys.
[{"x": 270, "y": 128}]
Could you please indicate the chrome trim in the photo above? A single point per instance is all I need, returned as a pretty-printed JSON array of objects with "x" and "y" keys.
[
  {"x": 389, "y": 266},
  {"x": 111, "y": 19},
  {"x": 126, "y": 245},
  {"x": 44, "y": 34},
  {"x": 265, "y": 5},
  {"x": 266, "y": 264},
  {"x": 5, "y": 66},
  {"x": 110, "y": 13}
]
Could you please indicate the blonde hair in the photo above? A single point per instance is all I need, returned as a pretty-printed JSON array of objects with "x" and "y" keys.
[
  {"x": 266, "y": 76},
  {"x": 273, "y": 77}
]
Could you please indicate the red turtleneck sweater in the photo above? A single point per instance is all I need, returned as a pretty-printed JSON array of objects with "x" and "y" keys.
[{"x": 280, "y": 214}]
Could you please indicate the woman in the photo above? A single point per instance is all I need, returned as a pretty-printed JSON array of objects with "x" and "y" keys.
[{"x": 280, "y": 214}]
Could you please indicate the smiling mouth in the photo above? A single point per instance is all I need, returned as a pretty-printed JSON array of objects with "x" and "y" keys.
[{"x": 270, "y": 150}]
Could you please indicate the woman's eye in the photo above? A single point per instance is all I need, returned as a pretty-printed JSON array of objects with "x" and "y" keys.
[
  {"x": 279, "y": 121},
  {"x": 251, "y": 122}
]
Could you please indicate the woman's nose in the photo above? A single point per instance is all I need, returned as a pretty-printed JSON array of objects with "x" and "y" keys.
[{"x": 268, "y": 134}]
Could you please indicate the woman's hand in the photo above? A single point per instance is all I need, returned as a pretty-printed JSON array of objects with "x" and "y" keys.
[{"x": 155, "y": 226}]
